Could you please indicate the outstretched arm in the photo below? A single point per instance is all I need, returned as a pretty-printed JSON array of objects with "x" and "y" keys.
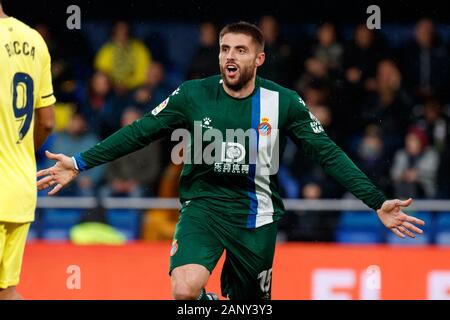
[
  {"x": 161, "y": 121},
  {"x": 127, "y": 140},
  {"x": 306, "y": 131}
]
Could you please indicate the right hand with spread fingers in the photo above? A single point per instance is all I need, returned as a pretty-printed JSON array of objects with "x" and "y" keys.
[{"x": 60, "y": 175}]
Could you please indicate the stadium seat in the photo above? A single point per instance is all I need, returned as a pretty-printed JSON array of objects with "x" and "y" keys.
[
  {"x": 358, "y": 237},
  {"x": 56, "y": 223},
  {"x": 128, "y": 222},
  {"x": 359, "y": 227},
  {"x": 442, "y": 234},
  {"x": 442, "y": 238},
  {"x": 420, "y": 240},
  {"x": 443, "y": 221},
  {"x": 55, "y": 234},
  {"x": 361, "y": 220}
]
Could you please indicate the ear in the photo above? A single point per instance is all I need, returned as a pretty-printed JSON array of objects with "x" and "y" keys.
[{"x": 260, "y": 58}]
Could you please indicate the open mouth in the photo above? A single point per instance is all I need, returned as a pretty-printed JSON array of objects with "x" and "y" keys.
[{"x": 231, "y": 70}]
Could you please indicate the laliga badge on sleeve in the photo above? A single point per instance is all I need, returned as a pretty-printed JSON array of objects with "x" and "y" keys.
[
  {"x": 174, "y": 248},
  {"x": 160, "y": 107}
]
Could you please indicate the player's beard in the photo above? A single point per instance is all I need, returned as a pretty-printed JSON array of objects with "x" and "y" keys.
[{"x": 245, "y": 76}]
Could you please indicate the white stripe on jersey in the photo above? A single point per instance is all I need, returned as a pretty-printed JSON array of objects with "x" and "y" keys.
[{"x": 269, "y": 102}]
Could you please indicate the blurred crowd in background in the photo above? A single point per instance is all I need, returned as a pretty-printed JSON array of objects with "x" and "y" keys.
[{"x": 381, "y": 95}]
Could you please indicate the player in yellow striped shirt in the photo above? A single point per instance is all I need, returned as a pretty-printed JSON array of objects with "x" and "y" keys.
[{"x": 26, "y": 120}]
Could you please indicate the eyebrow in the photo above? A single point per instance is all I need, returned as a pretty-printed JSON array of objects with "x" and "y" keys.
[{"x": 237, "y": 47}]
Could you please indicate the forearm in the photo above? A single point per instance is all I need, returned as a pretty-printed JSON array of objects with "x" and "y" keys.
[
  {"x": 338, "y": 165},
  {"x": 127, "y": 140},
  {"x": 41, "y": 134},
  {"x": 43, "y": 125}
]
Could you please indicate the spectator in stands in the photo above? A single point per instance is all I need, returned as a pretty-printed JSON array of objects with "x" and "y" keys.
[
  {"x": 309, "y": 225},
  {"x": 310, "y": 172},
  {"x": 371, "y": 158},
  {"x": 425, "y": 62},
  {"x": 362, "y": 55},
  {"x": 316, "y": 74},
  {"x": 318, "y": 98},
  {"x": 74, "y": 137},
  {"x": 328, "y": 49},
  {"x": 315, "y": 94},
  {"x": 388, "y": 106},
  {"x": 315, "y": 97},
  {"x": 443, "y": 180},
  {"x": 124, "y": 59},
  {"x": 100, "y": 106},
  {"x": 414, "y": 168},
  {"x": 435, "y": 123},
  {"x": 360, "y": 59},
  {"x": 154, "y": 91},
  {"x": 131, "y": 175},
  {"x": 278, "y": 64},
  {"x": 204, "y": 62}
]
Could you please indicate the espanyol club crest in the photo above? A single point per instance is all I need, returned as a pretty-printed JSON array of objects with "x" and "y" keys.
[{"x": 264, "y": 127}]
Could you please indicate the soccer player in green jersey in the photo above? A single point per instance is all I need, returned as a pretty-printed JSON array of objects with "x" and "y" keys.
[{"x": 232, "y": 202}]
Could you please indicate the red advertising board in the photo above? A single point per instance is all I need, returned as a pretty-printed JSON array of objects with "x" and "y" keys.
[{"x": 301, "y": 271}]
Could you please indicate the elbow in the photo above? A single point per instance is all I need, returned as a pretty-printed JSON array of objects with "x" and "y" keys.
[
  {"x": 45, "y": 120},
  {"x": 47, "y": 126}
]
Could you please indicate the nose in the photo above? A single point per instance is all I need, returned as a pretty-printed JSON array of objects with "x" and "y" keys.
[{"x": 231, "y": 55}]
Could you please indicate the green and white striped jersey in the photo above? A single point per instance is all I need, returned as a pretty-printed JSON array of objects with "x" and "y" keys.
[{"x": 233, "y": 148}]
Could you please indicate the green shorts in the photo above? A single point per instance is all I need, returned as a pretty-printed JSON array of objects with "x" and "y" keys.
[{"x": 201, "y": 237}]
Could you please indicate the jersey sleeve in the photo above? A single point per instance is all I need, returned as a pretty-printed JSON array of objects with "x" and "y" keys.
[
  {"x": 161, "y": 121},
  {"x": 45, "y": 95},
  {"x": 307, "y": 132}
]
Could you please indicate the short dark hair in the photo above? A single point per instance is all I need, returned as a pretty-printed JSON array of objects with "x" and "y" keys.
[{"x": 246, "y": 28}]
